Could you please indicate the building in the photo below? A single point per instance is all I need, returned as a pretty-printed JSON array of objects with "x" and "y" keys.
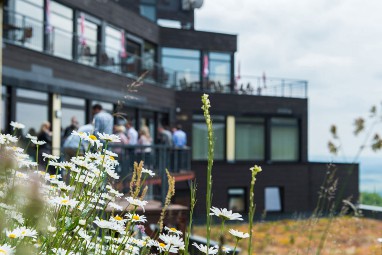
[{"x": 60, "y": 57}]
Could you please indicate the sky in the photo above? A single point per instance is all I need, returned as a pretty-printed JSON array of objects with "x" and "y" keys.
[{"x": 336, "y": 45}]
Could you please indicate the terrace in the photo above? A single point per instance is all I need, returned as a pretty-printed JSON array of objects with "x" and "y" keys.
[{"x": 107, "y": 54}]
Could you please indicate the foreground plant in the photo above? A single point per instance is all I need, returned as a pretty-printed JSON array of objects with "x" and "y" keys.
[{"x": 41, "y": 214}]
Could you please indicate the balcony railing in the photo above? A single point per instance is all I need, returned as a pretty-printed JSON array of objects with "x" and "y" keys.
[{"x": 34, "y": 34}]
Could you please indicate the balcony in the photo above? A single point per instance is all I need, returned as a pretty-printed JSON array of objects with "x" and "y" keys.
[{"x": 27, "y": 32}]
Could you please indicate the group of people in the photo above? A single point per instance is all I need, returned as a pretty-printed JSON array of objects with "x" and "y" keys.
[{"x": 103, "y": 122}]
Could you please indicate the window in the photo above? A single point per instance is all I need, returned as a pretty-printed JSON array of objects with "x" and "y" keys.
[
  {"x": 113, "y": 47},
  {"x": 181, "y": 65},
  {"x": 220, "y": 69},
  {"x": 87, "y": 39},
  {"x": 61, "y": 30},
  {"x": 29, "y": 16},
  {"x": 272, "y": 199},
  {"x": 147, "y": 9},
  {"x": 200, "y": 137},
  {"x": 284, "y": 139},
  {"x": 236, "y": 199},
  {"x": 249, "y": 139},
  {"x": 31, "y": 112}
]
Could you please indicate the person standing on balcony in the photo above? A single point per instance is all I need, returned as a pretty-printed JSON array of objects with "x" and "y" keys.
[
  {"x": 165, "y": 136},
  {"x": 132, "y": 134},
  {"x": 179, "y": 137},
  {"x": 102, "y": 120}
]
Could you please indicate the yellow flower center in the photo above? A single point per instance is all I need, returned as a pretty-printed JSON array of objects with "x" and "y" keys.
[
  {"x": 52, "y": 176},
  {"x": 162, "y": 245},
  {"x": 136, "y": 217},
  {"x": 118, "y": 218},
  {"x": 112, "y": 158},
  {"x": 2, "y": 251},
  {"x": 64, "y": 201},
  {"x": 93, "y": 137},
  {"x": 23, "y": 232},
  {"x": 173, "y": 229},
  {"x": 12, "y": 235},
  {"x": 81, "y": 133}
]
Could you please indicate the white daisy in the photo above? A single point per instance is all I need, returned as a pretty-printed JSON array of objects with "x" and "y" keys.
[
  {"x": 136, "y": 218},
  {"x": 109, "y": 137},
  {"x": 172, "y": 240},
  {"x": 115, "y": 206},
  {"x": 31, "y": 137},
  {"x": 136, "y": 202},
  {"x": 203, "y": 248},
  {"x": 173, "y": 230},
  {"x": 65, "y": 201},
  {"x": 147, "y": 171},
  {"x": 6, "y": 249},
  {"x": 11, "y": 139},
  {"x": 49, "y": 156},
  {"x": 38, "y": 142},
  {"x": 238, "y": 234},
  {"x": 225, "y": 214},
  {"x": 17, "y": 125},
  {"x": 82, "y": 135}
]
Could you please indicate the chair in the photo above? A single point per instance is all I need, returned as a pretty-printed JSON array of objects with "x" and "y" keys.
[{"x": 27, "y": 34}]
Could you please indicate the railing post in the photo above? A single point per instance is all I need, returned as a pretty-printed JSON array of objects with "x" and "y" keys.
[
  {"x": 162, "y": 170},
  {"x": 283, "y": 87}
]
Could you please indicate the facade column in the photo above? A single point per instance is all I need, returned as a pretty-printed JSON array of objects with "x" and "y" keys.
[
  {"x": 56, "y": 124},
  {"x": 230, "y": 136}
]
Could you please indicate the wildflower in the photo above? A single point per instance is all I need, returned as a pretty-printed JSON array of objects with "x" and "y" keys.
[
  {"x": 147, "y": 171},
  {"x": 109, "y": 137},
  {"x": 82, "y": 135},
  {"x": 224, "y": 214},
  {"x": 173, "y": 230},
  {"x": 16, "y": 216},
  {"x": 238, "y": 234},
  {"x": 11, "y": 139},
  {"x": 49, "y": 156},
  {"x": 113, "y": 192},
  {"x": 17, "y": 125},
  {"x": 172, "y": 240},
  {"x": 31, "y": 137},
  {"x": 82, "y": 222},
  {"x": 117, "y": 219},
  {"x": 38, "y": 142},
  {"x": 6, "y": 249},
  {"x": 52, "y": 229},
  {"x": 115, "y": 206},
  {"x": 66, "y": 201},
  {"x": 136, "y": 218},
  {"x": 26, "y": 232},
  {"x": 203, "y": 248},
  {"x": 226, "y": 249},
  {"x": 136, "y": 202}
]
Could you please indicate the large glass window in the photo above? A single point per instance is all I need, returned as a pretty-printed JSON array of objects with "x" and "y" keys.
[
  {"x": 25, "y": 25},
  {"x": 249, "y": 139},
  {"x": 200, "y": 137},
  {"x": 147, "y": 9},
  {"x": 111, "y": 58},
  {"x": 284, "y": 139},
  {"x": 182, "y": 66},
  {"x": 31, "y": 110},
  {"x": 87, "y": 39},
  {"x": 220, "y": 69},
  {"x": 61, "y": 30}
]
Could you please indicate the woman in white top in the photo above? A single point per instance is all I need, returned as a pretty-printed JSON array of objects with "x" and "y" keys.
[{"x": 145, "y": 138}]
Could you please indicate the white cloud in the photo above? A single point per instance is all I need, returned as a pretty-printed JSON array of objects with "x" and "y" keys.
[{"x": 334, "y": 44}]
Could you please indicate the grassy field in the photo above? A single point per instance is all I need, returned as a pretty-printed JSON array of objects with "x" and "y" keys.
[{"x": 346, "y": 235}]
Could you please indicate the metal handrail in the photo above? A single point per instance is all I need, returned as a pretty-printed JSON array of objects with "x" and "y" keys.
[{"x": 32, "y": 33}]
